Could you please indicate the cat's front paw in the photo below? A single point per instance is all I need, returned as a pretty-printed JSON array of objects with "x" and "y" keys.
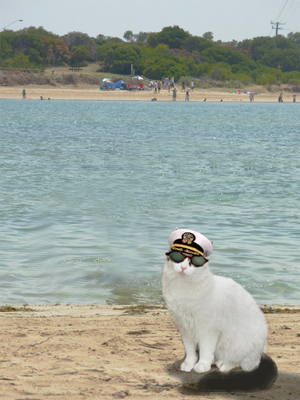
[
  {"x": 201, "y": 367},
  {"x": 187, "y": 366}
]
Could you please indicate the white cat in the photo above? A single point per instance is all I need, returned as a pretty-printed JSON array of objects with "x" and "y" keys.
[{"x": 218, "y": 320}]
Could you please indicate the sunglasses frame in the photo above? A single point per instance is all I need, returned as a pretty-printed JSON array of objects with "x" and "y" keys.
[{"x": 189, "y": 256}]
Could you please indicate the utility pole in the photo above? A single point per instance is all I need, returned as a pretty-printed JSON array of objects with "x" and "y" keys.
[{"x": 276, "y": 26}]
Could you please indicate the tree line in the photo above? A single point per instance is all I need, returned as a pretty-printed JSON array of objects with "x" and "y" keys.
[{"x": 170, "y": 52}]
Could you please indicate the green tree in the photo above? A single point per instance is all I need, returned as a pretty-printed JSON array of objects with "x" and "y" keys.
[
  {"x": 79, "y": 40},
  {"x": 105, "y": 55},
  {"x": 20, "y": 60},
  {"x": 173, "y": 36},
  {"x": 128, "y": 36},
  {"x": 295, "y": 37},
  {"x": 117, "y": 58},
  {"x": 6, "y": 49},
  {"x": 208, "y": 36},
  {"x": 35, "y": 57},
  {"x": 196, "y": 43},
  {"x": 80, "y": 56},
  {"x": 124, "y": 57},
  {"x": 142, "y": 36},
  {"x": 75, "y": 39}
]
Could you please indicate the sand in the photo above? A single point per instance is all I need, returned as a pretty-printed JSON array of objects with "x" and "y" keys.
[
  {"x": 91, "y": 92},
  {"x": 108, "y": 352}
]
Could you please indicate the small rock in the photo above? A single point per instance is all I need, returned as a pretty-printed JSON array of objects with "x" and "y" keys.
[{"x": 122, "y": 394}]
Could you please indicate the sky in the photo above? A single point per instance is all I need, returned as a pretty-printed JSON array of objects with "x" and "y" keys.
[{"x": 227, "y": 19}]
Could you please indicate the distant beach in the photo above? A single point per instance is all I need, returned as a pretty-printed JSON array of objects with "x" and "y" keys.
[{"x": 92, "y": 92}]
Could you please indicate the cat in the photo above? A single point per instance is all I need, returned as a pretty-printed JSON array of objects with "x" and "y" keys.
[{"x": 218, "y": 320}]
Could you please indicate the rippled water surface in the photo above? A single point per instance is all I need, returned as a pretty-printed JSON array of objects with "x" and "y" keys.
[{"x": 90, "y": 191}]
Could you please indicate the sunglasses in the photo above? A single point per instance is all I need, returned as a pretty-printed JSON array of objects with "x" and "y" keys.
[{"x": 178, "y": 257}]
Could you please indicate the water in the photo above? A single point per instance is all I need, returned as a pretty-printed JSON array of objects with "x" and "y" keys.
[{"x": 90, "y": 191}]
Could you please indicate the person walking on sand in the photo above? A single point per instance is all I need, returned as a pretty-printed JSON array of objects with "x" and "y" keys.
[
  {"x": 192, "y": 86},
  {"x": 174, "y": 93},
  {"x": 24, "y": 94}
]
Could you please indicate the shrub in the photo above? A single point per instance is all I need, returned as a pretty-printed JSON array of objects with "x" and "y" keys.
[{"x": 70, "y": 79}]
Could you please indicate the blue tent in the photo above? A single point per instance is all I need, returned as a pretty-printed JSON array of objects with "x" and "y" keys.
[
  {"x": 121, "y": 85},
  {"x": 107, "y": 86}
]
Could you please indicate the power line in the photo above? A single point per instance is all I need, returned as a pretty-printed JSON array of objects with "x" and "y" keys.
[
  {"x": 282, "y": 10},
  {"x": 292, "y": 13},
  {"x": 288, "y": 9}
]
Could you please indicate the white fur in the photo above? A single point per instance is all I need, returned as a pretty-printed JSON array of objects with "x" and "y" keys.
[{"x": 216, "y": 315}]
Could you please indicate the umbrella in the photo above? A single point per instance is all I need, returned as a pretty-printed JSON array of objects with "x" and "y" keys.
[
  {"x": 138, "y": 77},
  {"x": 105, "y": 80}
]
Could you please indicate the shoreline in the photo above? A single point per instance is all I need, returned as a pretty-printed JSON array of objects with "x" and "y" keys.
[
  {"x": 108, "y": 352},
  {"x": 91, "y": 92}
]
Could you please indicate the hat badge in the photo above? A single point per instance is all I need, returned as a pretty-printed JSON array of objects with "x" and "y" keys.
[{"x": 188, "y": 238}]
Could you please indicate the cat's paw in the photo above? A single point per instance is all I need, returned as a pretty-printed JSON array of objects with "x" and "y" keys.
[
  {"x": 187, "y": 366},
  {"x": 201, "y": 367},
  {"x": 225, "y": 367}
]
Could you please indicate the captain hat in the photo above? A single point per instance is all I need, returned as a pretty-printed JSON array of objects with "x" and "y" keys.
[{"x": 191, "y": 242}]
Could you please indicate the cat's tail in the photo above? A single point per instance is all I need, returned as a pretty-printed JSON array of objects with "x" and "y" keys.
[{"x": 260, "y": 378}]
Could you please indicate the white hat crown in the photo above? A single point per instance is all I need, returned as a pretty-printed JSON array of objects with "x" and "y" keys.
[{"x": 191, "y": 239}]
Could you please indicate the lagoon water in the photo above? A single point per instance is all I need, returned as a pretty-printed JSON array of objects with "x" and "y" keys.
[{"x": 91, "y": 190}]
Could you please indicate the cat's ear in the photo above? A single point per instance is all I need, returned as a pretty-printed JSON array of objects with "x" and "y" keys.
[{"x": 212, "y": 242}]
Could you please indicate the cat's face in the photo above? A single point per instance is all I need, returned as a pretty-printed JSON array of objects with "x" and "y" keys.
[{"x": 184, "y": 268}]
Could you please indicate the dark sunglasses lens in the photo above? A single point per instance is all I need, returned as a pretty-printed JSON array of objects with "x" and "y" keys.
[
  {"x": 176, "y": 256},
  {"x": 198, "y": 261}
]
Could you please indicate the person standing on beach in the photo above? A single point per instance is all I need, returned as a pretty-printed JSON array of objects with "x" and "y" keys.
[
  {"x": 24, "y": 94},
  {"x": 192, "y": 85},
  {"x": 174, "y": 93},
  {"x": 294, "y": 98},
  {"x": 187, "y": 95}
]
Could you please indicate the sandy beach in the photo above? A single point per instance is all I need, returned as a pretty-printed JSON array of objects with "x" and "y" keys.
[
  {"x": 75, "y": 352},
  {"x": 92, "y": 92}
]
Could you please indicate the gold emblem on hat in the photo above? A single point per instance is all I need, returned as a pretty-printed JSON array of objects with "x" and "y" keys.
[{"x": 188, "y": 238}]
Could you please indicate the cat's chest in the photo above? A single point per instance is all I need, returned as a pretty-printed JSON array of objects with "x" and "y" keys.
[{"x": 180, "y": 288}]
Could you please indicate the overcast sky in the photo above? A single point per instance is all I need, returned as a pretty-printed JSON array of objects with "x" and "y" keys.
[{"x": 227, "y": 19}]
